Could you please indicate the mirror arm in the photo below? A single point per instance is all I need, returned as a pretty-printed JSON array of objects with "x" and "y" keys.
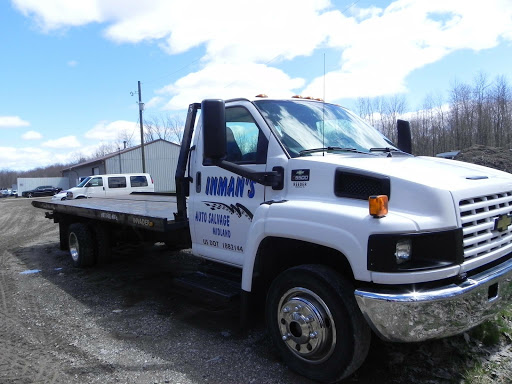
[{"x": 274, "y": 179}]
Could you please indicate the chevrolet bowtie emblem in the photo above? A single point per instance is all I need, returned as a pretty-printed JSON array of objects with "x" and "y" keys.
[{"x": 502, "y": 223}]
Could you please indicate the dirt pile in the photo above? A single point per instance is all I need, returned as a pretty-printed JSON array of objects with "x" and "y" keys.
[{"x": 493, "y": 157}]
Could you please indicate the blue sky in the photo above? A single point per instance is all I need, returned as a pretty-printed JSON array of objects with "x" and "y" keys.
[{"x": 68, "y": 67}]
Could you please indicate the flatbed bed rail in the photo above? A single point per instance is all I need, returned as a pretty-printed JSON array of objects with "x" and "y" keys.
[{"x": 154, "y": 213}]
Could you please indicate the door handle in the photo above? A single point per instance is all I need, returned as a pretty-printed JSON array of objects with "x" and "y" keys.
[{"x": 198, "y": 182}]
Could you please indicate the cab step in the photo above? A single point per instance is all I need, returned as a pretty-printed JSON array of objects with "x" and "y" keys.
[{"x": 209, "y": 285}]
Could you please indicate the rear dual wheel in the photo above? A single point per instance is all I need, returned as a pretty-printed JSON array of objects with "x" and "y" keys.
[
  {"x": 81, "y": 245},
  {"x": 315, "y": 323},
  {"x": 87, "y": 245}
]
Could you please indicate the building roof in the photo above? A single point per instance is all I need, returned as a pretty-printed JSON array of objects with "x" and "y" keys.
[{"x": 110, "y": 155}]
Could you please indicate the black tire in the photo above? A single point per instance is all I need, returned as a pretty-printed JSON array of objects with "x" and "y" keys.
[
  {"x": 29, "y": 195},
  {"x": 103, "y": 244},
  {"x": 315, "y": 323},
  {"x": 81, "y": 245}
]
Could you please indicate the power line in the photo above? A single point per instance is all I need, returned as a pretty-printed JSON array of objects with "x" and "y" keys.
[
  {"x": 172, "y": 73},
  {"x": 350, "y": 6}
]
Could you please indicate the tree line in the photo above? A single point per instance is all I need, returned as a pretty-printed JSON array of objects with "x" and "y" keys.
[{"x": 472, "y": 113}]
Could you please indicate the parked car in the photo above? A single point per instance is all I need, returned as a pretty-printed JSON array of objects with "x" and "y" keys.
[
  {"x": 108, "y": 185},
  {"x": 4, "y": 193},
  {"x": 44, "y": 190}
]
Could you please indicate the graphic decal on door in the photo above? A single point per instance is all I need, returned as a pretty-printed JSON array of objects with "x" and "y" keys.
[
  {"x": 222, "y": 186},
  {"x": 235, "y": 209}
]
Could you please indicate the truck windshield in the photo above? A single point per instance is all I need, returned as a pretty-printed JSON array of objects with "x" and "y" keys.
[
  {"x": 311, "y": 127},
  {"x": 84, "y": 181}
]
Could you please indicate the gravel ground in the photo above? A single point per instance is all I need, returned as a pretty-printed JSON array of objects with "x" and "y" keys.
[{"x": 125, "y": 322}]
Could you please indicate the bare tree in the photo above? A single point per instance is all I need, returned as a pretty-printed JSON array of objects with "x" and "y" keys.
[
  {"x": 104, "y": 149},
  {"x": 124, "y": 139},
  {"x": 168, "y": 128}
]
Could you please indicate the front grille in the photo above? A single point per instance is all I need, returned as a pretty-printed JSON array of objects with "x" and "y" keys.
[{"x": 478, "y": 216}]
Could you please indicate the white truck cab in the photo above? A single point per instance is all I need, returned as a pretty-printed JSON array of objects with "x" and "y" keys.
[{"x": 284, "y": 190}]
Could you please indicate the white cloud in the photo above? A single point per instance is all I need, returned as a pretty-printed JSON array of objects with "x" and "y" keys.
[
  {"x": 110, "y": 131},
  {"x": 154, "y": 102},
  {"x": 22, "y": 159},
  {"x": 228, "y": 81},
  {"x": 377, "y": 47},
  {"x": 72, "y": 63},
  {"x": 385, "y": 48},
  {"x": 56, "y": 14},
  {"x": 12, "y": 122},
  {"x": 31, "y": 135},
  {"x": 62, "y": 143}
]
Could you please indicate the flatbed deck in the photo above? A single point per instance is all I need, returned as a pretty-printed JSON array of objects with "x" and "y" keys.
[{"x": 151, "y": 212}]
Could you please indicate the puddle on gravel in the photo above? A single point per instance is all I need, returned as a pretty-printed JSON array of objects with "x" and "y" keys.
[{"x": 30, "y": 271}]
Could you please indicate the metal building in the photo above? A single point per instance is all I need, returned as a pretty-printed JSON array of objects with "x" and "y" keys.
[
  {"x": 27, "y": 183},
  {"x": 161, "y": 161}
]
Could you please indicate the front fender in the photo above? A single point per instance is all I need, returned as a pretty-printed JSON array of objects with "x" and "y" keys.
[{"x": 340, "y": 227}]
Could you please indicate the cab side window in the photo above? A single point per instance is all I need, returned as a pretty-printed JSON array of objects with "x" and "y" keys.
[
  {"x": 117, "y": 182},
  {"x": 138, "y": 181},
  {"x": 95, "y": 182},
  {"x": 246, "y": 144}
]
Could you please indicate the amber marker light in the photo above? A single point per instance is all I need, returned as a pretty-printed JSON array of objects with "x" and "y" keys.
[
  {"x": 262, "y": 95},
  {"x": 378, "y": 206}
]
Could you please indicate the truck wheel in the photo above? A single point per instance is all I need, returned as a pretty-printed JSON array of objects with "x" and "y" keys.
[
  {"x": 103, "y": 243},
  {"x": 81, "y": 245},
  {"x": 315, "y": 323}
]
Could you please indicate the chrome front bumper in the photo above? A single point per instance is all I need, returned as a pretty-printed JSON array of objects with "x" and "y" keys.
[{"x": 441, "y": 312}]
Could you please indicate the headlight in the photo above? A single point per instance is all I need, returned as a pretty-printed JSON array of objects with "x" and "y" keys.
[
  {"x": 403, "y": 251},
  {"x": 394, "y": 252}
]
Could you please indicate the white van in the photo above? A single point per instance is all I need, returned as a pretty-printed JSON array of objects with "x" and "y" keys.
[{"x": 108, "y": 185}]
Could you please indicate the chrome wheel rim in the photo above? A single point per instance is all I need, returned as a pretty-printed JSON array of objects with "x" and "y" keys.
[
  {"x": 306, "y": 325},
  {"x": 73, "y": 247}
]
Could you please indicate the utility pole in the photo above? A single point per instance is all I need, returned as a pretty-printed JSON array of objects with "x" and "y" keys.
[{"x": 141, "y": 108}]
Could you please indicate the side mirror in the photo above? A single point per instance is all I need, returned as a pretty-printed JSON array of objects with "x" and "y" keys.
[
  {"x": 214, "y": 128},
  {"x": 404, "y": 136}
]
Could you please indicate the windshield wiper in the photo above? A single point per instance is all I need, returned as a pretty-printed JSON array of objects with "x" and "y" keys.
[
  {"x": 386, "y": 150},
  {"x": 328, "y": 149}
]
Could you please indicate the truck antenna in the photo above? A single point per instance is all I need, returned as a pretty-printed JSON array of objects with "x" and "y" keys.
[{"x": 323, "y": 115}]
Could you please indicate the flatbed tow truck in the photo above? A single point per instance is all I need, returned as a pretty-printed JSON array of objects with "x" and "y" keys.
[{"x": 342, "y": 232}]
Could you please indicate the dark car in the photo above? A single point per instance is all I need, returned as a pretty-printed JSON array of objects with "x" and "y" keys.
[{"x": 44, "y": 190}]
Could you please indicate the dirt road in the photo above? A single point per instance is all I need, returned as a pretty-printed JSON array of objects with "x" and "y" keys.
[{"x": 126, "y": 322}]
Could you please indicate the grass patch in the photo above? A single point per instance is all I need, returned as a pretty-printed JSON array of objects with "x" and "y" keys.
[
  {"x": 491, "y": 332},
  {"x": 482, "y": 374}
]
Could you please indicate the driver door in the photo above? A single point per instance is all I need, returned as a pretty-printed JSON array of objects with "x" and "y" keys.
[
  {"x": 222, "y": 204},
  {"x": 95, "y": 188}
]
